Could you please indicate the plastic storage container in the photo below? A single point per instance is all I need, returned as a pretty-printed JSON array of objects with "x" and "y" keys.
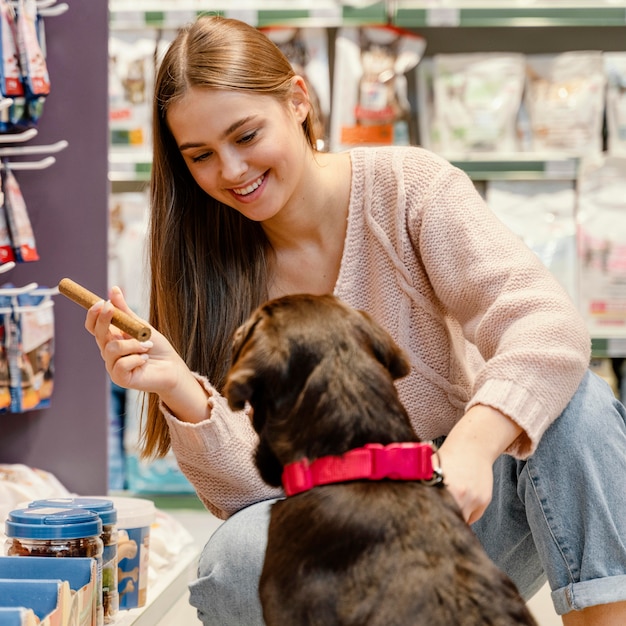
[
  {"x": 57, "y": 532},
  {"x": 134, "y": 518},
  {"x": 108, "y": 515}
]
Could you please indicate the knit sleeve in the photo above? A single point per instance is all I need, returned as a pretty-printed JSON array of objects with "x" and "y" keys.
[
  {"x": 216, "y": 456},
  {"x": 505, "y": 302}
]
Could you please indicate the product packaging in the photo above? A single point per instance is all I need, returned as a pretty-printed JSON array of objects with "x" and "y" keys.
[
  {"x": 602, "y": 245},
  {"x": 131, "y": 78},
  {"x": 615, "y": 68},
  {"x": 28, "y": 321},
  {"x": 57, "y": 532},
  {"x": 134, "y": 519},
  {"x": 108, "y": 515},
  {"x": 18, "y": 220},
  {"x": 565, "y": 96},
  {"x": 307, "y": 50},
  {"x": 59, "y": 592},
  {"x": 476, "y": 102},
  {"x": 542, "y": 214},
  {"x": 370, "y": 104}
]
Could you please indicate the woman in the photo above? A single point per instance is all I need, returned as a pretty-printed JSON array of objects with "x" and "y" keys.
[{"x": 244, "y": 208}]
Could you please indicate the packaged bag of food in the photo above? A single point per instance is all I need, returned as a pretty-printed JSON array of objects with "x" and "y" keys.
[
  {"x": 370, "y": 104},
  {"x": 615, "y": 69},
  {"x": 565, "y": 101},
  {"x": 542, "y": 214},
  {"x": 22, "y": 236},
  {"x": 602, "y": 245},
  {"x": 476, "y": 101},
  {"x": 307, "y": 50}
]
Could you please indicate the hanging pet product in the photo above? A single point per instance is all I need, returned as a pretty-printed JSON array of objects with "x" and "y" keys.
[
  {"x": 29, "y": 335},
  {"x": 370, "y": 100},
  {"x": 20, "y": 229},
  {"x": 32, "y": 59},
  {"x": 11, "y": 82}
]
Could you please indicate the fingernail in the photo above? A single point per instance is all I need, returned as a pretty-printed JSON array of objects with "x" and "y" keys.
[
  {"x": 146, "y": 344},
  {"x": 98, "y": 305},
  {"x": 145, "y": 357}
]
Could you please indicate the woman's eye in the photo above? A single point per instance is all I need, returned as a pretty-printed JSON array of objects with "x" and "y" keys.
[
  {"x": 201, "y": 157},
  {"x": 248, "y": 137}
]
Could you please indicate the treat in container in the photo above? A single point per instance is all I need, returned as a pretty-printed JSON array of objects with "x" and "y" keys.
[
  {"x": 57, "y": 532},
  {"x": 108, "y": 515}
]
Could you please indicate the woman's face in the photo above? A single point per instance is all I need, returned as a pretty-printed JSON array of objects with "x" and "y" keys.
[{"x": 245, "y": 150}]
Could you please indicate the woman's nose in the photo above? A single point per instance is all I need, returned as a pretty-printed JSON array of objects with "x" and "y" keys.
[{"x": 233, "y": 167}]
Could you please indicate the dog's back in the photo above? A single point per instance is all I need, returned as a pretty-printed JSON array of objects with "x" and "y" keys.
[{"x": 319, "y": 377}]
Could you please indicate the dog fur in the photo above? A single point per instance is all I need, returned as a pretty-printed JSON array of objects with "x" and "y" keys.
[{"x": 319, "y": 378}]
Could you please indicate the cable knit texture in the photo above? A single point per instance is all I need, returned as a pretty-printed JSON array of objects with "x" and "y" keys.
[{"x": 480, "y": 317}]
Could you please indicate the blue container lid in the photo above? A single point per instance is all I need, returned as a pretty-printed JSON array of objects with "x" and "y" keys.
[
  {"x": 104, "y": 508},
  {"x": 53, "y": 523}
]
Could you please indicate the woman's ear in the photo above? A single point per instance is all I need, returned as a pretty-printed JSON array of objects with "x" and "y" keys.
[{"x": 300, "y": 98}]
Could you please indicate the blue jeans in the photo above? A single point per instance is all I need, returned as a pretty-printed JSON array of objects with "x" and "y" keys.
[{"x": 559, "y": 515}]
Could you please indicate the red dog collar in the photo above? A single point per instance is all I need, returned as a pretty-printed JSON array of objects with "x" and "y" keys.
[{"x": 397, "y": 461}]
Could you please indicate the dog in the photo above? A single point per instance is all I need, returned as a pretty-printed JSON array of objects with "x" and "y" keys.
[{"x": 318, "y": 376}]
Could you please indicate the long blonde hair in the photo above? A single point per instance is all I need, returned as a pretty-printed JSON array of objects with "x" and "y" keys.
[{"x": 209, "y": 264}]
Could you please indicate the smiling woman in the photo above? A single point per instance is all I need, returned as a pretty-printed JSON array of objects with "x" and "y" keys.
[{"x": 244, "y": 208}]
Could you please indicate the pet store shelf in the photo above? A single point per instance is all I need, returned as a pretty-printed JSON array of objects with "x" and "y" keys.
[
  {"x": 416, "y": 13},
  {"x": 603, "y": 347},
  {"x": 322, "y": 13},
  {"x": 128, "y": 166},
  {"x": 517, "y": 167}
]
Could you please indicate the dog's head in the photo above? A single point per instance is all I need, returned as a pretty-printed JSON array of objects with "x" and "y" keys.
[{"x": 319, "y": 378}]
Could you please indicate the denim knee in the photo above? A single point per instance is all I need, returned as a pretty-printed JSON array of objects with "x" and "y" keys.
[{"x": 226, "y": 590}]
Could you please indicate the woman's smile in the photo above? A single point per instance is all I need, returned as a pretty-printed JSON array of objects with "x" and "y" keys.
[{"x": 247, "y": 192}]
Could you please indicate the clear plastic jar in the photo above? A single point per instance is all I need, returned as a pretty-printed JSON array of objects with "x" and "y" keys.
[
  {"x": 57, "y": 532},
  {"x": 108, "y": 514}
]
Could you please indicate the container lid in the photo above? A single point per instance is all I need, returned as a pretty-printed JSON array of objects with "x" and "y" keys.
[
  {"x": 52, "y": 523},
  {"x": 103, "y": 507},
  {"x": 134, "y": 512}
]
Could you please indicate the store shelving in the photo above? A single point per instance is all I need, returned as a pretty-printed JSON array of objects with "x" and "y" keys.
[
  {"x": 326, "y": 13},
  {"x": 416, "y": 14}
]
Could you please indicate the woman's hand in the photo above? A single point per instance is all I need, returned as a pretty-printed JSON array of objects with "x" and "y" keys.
[
  {"x": 468, "y": 454},
  {"x": 151, "y": 366}
]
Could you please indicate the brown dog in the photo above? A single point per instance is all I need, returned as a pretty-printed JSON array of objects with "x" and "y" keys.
[{"x": 319, "y": 377}]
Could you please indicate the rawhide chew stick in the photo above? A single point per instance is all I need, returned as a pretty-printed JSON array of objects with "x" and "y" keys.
[{"x": 87, "y": 299}]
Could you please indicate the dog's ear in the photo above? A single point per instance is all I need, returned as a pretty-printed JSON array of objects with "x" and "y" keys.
[{"x": 383, "y": 347}]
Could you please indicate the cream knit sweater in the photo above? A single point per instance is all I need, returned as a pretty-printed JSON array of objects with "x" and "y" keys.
[{"x": 481, "y": 319}]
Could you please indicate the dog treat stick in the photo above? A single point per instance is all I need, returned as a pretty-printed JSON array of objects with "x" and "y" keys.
[{"x": 87, "y": 299}]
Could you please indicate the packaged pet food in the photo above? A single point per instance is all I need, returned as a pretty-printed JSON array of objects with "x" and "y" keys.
[
  {"x": 370, "y": 97},
  {"x": 29, "y": 341},
  {"x": 307, "y": 50},
  {"x": 20, "y": 229},
  {"x": 542, "y": 214},
  {"x": 602, "y": 245},
  {"x": 565, "y": 101},
  {"x": 57, "y": 532},
  {"x": 131, "y": 76},
  {"x": 615, "y": 68},
  {"x": 476, "y": 101}
]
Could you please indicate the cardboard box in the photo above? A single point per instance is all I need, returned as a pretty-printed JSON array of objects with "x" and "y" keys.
[{"x": 67, "y": 587}]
